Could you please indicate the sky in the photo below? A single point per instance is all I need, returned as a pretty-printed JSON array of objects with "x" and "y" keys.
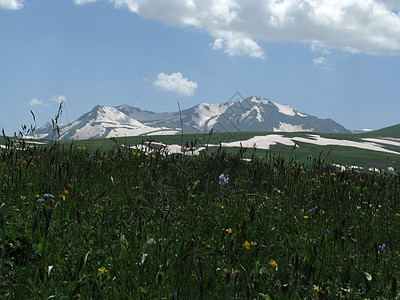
[{"x": 337, "y": 59}]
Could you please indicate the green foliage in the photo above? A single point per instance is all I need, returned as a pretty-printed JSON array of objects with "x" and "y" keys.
[{"x": 127, "y": 224}]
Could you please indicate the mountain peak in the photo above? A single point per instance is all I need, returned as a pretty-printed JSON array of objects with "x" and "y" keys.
[{"x": 251, "y": 114}]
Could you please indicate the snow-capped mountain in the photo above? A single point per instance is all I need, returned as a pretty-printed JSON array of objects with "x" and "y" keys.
[
  {"x": 260, "y": 114},
  {"x": 251, "y": 114}
]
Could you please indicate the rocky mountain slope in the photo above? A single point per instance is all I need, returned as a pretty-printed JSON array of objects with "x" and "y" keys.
[{"x": 251, "y": 114}]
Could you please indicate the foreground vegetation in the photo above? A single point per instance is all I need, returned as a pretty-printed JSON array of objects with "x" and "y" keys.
[{"x": 148, "y": 225}]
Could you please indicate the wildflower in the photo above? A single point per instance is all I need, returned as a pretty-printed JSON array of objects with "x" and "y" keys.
[
  {"x": 66, "y": 192},
  {"x": 273, "y": 263},
  {"x": 102, "y": 270},
  {"x": 221, "y": 206},
  {"x": 223, "y": 179},
  {"x": 40, "y": 200},
  {"x": 305, "y": 217},
  {"x": 312, "y": 211},
  {"x": 22, "y": 197},
  {"x": 246, "y": 244},
  {"x": 48, "y": 196},
  {"x": 397, "y": 215},
  {"x": 62, "y": 197},
  {"x": 227, "y": 230},
  {"x": 382, "y": 247},
  {"x": 327, "y": 231}
]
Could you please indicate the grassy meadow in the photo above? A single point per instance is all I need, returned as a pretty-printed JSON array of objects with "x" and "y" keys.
[{"x": 85, "y": 222}]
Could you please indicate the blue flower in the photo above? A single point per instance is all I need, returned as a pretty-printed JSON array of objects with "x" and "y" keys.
[
  {"x": 40, "y": 200},
  {"x": 312, "y": 211},
  {"x": 48, "y": 196},
  {"x": 382, "y": 248}
]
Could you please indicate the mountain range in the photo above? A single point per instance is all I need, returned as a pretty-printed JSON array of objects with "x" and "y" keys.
[{"x": 255, "y": 114}]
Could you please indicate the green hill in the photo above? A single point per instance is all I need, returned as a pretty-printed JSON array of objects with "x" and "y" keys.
[{"x": 391, "y": 131}]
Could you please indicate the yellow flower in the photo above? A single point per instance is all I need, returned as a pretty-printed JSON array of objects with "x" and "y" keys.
[
  {"x": 221, "y": 206},
  {"x": 66, "y": 192},
  {"x": 316, "y": 288},
  {"x": 227, "y": 230},
  {"x": 102, "y": 270},
  {"x": 22, "y": 197},
  {"x": 253, "y": 244},
  {"x": 397, "y": 215},
  {"x": 246, "y": 244},
  {"x": 62, "y": 197},
  {"x": 273, "y": 263},
  {"x": 305, "y": 217}
]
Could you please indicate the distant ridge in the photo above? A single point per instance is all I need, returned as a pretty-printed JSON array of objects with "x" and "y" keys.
[
  {"x": 251, "y": 114},
  {"x": 391, "y": 131}
]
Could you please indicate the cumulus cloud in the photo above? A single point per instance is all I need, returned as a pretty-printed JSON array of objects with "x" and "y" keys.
[
  {"x": 35, "y": 102},
  {"x": 11, "y": 4},
  {"x": 238, "y": 26},
  {"x": 175, "y": 83}
]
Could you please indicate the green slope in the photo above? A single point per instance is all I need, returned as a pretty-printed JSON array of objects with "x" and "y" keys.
[{"x": 391, "y": 131}]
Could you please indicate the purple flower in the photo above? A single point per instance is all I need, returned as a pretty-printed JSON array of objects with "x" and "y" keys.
[
  {"x": 382, "y": 248},
  {"x": 40, "y": 200},
  {"x": 48, "y": 196},
  {"x": 312, "y": 211},
  {"x": 223, "y": 179},
  {"x": 327, "y": 231}
]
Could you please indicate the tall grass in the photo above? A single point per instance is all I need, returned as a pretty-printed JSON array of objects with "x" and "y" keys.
[{"x": 148, "y": 225}]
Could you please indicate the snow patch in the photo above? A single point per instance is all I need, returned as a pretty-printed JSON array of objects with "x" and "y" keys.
[
  {"x": 261, "y": 142},
  {"x": 247, "y": 113},
  {"x": 382, "y": 141},
  {"x": 318, "y": 140},
  {"x": 260, "y": 100},
  {"x": 285, "y": 109},
  {"x": 207, "y": 111},
  {"x": 285, "y": 127}
]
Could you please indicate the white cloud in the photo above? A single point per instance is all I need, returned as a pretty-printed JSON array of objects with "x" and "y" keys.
[
  {"x": 58, "y": 99},
  {"x": 175, "y": 83},
  {"x": 237, "y": 44},
  {"x": 322, "y": 62},
  {"x": 238, "y": 26},
  {"x": 35, "y": 102},
  {"x": 82, "y": 2},
  {"x": 11, "y": 4}
]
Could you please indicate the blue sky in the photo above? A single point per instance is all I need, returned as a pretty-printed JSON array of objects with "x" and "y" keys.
[{"x": 335, "y": 59}]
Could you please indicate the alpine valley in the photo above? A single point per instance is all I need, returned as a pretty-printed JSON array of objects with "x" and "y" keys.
[{"x": 253, "y": 114}]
